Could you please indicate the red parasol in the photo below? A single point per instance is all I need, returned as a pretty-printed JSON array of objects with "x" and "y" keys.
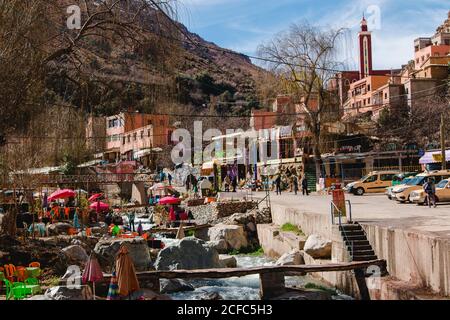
[
  {"x": 92, "y": 273},
  {"x": 62, "y": 194},
  {"x": 99, "y": 206},
  {"x": 95, "y": 197},
  {"x": 169, "y": 200}
]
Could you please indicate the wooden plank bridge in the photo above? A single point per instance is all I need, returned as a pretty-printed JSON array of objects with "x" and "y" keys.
[{"x": 272, "y": 281}]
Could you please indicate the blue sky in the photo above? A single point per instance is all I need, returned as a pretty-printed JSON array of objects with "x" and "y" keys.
[{"x": 242, "y": 25}]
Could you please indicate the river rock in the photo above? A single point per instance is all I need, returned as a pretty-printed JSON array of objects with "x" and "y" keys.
[
  {"x": 318, "y": 247},
  {"x": 227, "y": 261},
  {"x": 107, "y": 249},
  {"x": 305, "y": 295},
  {"x": 233, "y": 234},
  {"x": 76, "y": 253},
  {"x": 58, "y": 228},
  {"x": 211, "y": 296},
  {"x": 69, "y": 293},
  {"x": 175, "y": 285},
  {"x": 220, "y": 245},
  {"x": 292, "y": 258},
  {"x": 151, "y": 295},
  {"x": 190, "y": 253}
]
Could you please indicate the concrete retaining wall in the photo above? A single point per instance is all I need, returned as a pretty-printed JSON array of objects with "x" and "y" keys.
[
  {"x": 413, "y": 256},
  {"x": 310, "y": 222},
  {"x": 416, "y": 261}
]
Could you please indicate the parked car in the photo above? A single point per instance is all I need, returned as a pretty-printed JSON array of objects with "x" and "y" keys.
[
  {"x": 390, "y": 190},
  {"x": 442, "y": 193},
  {"x": 403, "y": 193},
  {"x": 374, "y": 182}
]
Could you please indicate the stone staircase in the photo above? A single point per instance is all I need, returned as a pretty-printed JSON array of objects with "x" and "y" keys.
[{"x": 356, "y": 242}]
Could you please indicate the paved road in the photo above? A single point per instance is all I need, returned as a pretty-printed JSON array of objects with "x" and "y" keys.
[{"x": 375, "y": 208}]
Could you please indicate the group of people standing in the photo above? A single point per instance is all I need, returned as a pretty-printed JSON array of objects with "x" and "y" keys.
[{"x": 295, "y": 184}]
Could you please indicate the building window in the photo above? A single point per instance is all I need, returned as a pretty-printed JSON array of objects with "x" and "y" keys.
[
  {"x": 123, "y": 140},
  {"x": 149, "y": 133},
  {"x": 129, "y": 138},
  {"x": 142, "y": 134},
  {"x": 368, "y": 87},
  {"x": 368, "y": 100},
  {"x": 135, "y": 136},
  {"x": 385, "y": 95},
  {"x": 150, "y": 122}
]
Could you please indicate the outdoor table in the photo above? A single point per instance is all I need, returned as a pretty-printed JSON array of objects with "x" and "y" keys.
[{"x": 33, "y": 272}]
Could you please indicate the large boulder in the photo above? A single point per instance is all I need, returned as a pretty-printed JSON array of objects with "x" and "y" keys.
[
  {"x": 58, "y": 228},
  {"x": 220, "y": 245},
  {"x": 190, "y": 253},
  {"x": 69, "y": 293},
  {"x": 107, "y": 248},
  {"x": 318, "y": 247},
  {"x": 227, "y": 261},
  {"x": 292, "y": 258},
  {"x": 76, "y": 253},
  {"x": 233, "y": 234},
  {"x": 175, "y": 285}
]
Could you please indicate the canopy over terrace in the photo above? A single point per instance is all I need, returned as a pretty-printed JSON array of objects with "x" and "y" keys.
[{"x": 434, "y": 157}]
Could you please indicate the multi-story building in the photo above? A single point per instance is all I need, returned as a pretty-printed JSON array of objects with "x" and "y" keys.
[
  {"x": 133, "y": 136},
  {"x": 436, "y": 46}
]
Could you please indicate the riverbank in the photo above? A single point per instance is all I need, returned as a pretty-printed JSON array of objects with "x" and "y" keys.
[{"x": 415, "y": 243}]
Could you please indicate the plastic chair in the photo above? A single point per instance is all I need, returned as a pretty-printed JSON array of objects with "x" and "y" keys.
[
  {"x": 10, "y": 270},
  {"x": 32, "y": 281},
  {"x": 34, "y": 265},
  {"x": 21, "y": 274},
  {"x": 32, "y": 286},
  {"x": 15, "y": 290}
]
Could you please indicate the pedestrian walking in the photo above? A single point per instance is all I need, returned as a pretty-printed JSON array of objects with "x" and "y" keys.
[
  {"x": 169, "y": 177},
  {"x": 234, "y": 183},
  {"x": 278, "y": 184},
  {"x": 227, "y": 183},
  {"x": 430, "y": 189},
  {"x": 140, "y": 229},
  {"x": 131, "y": 217},
  {"x": 188, "y": 183},
  {"x": 305, "y": 186},
  {"x": 295, "y": 182}
]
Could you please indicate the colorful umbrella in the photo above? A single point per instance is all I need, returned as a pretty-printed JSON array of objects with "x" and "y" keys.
[
  {"x": 95, "y": 197},
  {"x": 169, "y": 200},
  {"x": 62, "y": 194},
  {"x": 126, "y": 273},
  {"x": 113, "y": 291},
  {"x": 99, "y": 206},
  {"x": 92, "y": 273}
]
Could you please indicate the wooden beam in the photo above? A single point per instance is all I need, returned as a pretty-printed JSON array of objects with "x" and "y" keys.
[
  {"x": 271, "y": 285},
  {"x": 362, "y": 285},
  {"x": 241, "y": 272}
]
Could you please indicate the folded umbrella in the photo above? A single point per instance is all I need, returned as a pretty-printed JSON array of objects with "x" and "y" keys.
[
  {"x": 92, "y": 272},
  {"x": 113, "y": 291},
  {"x": 126, "y": 273}
]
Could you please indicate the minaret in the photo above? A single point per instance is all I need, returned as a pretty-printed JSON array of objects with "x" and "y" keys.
[{"x": 365, "y": 50}]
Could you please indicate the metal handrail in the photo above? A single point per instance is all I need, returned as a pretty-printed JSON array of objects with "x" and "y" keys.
[{"x": 333, "y": 206}]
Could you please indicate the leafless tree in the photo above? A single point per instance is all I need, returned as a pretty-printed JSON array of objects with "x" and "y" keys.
[{"x": 304, "y": 57}]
